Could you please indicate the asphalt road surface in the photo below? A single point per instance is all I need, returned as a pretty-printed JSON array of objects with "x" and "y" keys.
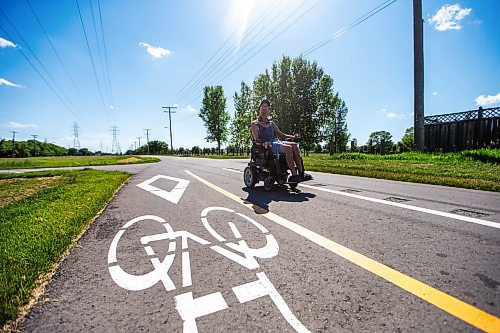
[{"x": 185, "y": 247}]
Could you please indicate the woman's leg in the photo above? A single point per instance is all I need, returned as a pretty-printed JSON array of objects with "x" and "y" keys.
[
  {"x": 296, "y": 157},
  {"x": 287, "y": 150}
]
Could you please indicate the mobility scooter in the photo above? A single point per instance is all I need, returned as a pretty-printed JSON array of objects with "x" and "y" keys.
[{"x": 266, "y": 166}]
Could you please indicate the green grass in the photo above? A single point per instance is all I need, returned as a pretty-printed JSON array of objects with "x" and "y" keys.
[
  {"x": 70, "y": 161},
  {"x": 478, "y": 169},
  {"x": 218, "y": 157},
  {"x": 42, "y": 222},
  {"x": 474, "y": 169}
]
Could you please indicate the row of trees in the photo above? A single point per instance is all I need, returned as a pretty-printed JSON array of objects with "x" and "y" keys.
[
  {"x": 155, "y": 147},
  {"x": 380, "y": 142},
  {"x": 9, "y": 148},
  {"x": 303, "y": 101},
  {"x": 30, "y": 148}
]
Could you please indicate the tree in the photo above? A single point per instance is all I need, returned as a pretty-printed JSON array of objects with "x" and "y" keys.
[
  {"x": 406, "y": 143},
  {"x": 158, "y": 147},
  {"x": 72, "y": 151},
  {"x": 85, "y": 152},
  {"x": 340, "y": 135},
  {"x": 214, "y": 115},
  {"x": 195, "y": 150},
  {"x": 380, "y": 142},
  {"x": 240, "y": 134},
  {"x": 303, "y": 102}
]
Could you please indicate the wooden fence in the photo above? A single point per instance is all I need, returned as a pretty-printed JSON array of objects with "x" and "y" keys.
[{"x": 464, "y": 130}]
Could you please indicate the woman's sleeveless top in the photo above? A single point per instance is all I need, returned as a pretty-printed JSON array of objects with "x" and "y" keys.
[{"x": 266, "y": 133}]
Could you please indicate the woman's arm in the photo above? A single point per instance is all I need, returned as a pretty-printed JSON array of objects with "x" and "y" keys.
[
  {"x": 255, "y": 131},
  {"x": 280, "y": 134}
]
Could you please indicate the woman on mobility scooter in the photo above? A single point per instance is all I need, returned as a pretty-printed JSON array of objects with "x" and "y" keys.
[{"x": 267, "y": 133}]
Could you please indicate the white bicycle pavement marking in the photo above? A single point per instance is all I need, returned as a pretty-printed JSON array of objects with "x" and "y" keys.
[
  {"x": 173, "y": 196},
  {"x": 190, "y": 308}
]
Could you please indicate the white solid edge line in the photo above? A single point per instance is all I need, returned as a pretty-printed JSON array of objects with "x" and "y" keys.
[
  {"x": 415, "y": 208},
  {"x": 400, "y": 205}
]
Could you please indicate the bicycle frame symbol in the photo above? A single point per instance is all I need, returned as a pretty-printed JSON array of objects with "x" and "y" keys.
[{"x": 190, "y": 308}]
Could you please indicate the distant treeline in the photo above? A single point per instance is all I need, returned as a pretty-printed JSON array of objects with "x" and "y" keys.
[{"x": 29, "y": 148}]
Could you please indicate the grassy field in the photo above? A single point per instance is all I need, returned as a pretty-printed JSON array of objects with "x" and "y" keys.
[
  {"x": 70, "y": 161},
  {"x": 41, "y": 214},
  {"x": 478, "y": 169},
  {"x": 474, "y": 169}
]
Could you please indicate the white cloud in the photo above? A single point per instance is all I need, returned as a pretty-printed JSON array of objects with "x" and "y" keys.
[
  {"x": 155, "y": 51},
  {"x": 434, "y": 93},
  {"x": 6, "y": 43},
  {"x": 13, "y": 124},
  {"x": 189, "y": 108},
  {"x": 448, "y": 17},
  {"x": 395, "y": 115},
  {"x": 487, "y": 100},
  {"x": 8, "y": 83}
]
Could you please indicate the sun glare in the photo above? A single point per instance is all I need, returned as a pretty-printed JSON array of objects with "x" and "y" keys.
[{"x": 238, "y": 17}]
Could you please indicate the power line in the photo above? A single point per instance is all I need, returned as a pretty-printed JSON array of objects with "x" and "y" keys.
[
  {"x": 91, "y": 58},
  {"x": 227, "y": 57},
  {"x": 263, "y": 47},
  {"x": 96, "y": 36},
  {"x": 57, "y": 55},
  {"x": 242, "y": 61},
  {"x": 38, "y": 72},
  {"x": 350, "y": 26},
  {"x": 35, "y": 56},
  {"x": 224, "y": 56},
  {"x": 187, "y": 89},
  {"x": 105, "y": 53}
]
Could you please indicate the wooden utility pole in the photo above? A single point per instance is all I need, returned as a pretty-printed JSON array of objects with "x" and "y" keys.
[
  {"x": 170, "y": 123},
  {"x": 147, "y": 136},
  {"x": 34, "y": 143},
  {"x": 418, "y": 76}
]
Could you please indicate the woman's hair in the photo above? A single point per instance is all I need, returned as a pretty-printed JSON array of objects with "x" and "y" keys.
[{"x": 264, "y": 101}]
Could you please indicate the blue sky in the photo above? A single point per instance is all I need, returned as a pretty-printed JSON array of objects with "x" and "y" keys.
[{"x": 155, "y": 51}]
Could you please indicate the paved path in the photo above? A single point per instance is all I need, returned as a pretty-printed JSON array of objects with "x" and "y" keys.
[{"x": 185, "y": 247}]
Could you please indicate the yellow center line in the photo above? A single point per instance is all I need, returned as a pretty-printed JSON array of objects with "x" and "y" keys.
[{"x": 445, "y": 302}]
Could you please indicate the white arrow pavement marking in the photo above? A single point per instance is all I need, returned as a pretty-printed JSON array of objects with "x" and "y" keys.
[{"x": 173, "y": 196}]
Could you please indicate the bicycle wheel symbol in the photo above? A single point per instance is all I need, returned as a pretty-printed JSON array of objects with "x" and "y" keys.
[{"x": 188, "y": 307}]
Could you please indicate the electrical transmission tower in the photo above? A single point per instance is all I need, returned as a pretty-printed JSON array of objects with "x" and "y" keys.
[
  {"x": 115, "y": 148},
  {"x": 76, "y": 140}
]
